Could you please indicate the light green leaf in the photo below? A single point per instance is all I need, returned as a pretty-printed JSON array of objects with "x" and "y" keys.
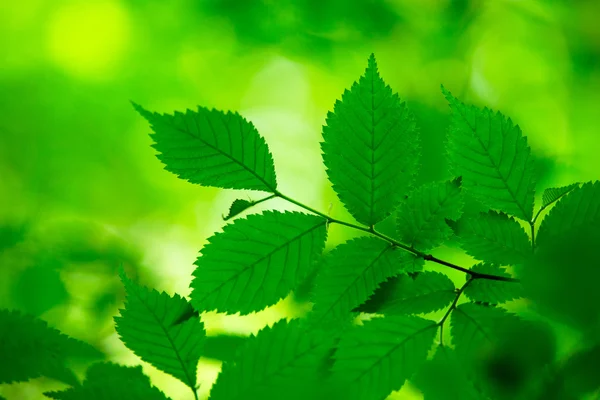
[
  {"x": 370, "y": 148},
  {"x": 280, "y": 362},
  {"x": 151, "y": 326},
  {"x": 30, "y": 349},
  {"x": 493, "y": 158},
  {"x": 491, "y": 291},
  {"x": 551, "y": 195},
  {"x": 494, "y": 237},
  {"x": 212, "y": 148},
  {"x": 350, "y": 274},
  {"x": 475, "y": 328},
  {"x": 107, "y": 381},
  {"x": 443, "y": 378},
  {"x": 377, "y": 358},
  {"x": 581, "y": 206},
  {"x": 422, "y": 217},
  {"x": 256, "y": 261}
]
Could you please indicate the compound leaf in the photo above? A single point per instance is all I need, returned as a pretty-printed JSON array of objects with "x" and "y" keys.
[
  {"x": 443, "y": 378},
  {"x": 579, "y": 207},
  {"x": 418, "y": 293},
  {"x": 370, "y": 148},
  {"x": 493, "y": 158},
  {"x": 492, "y": 291},
  {"x": 350, "y": 274},
  {"x": 551, "y": 195},
  {"x": 108, "y": 381},
  {"x": 256, "y": 261},
  {"x": 282, "y": 361},
  {"x": 31, "y": 349},
  {"x": 150, "y": 325},
  {"x": 494, "y": 237},
  {"x": 212, "y": 148},
  {"x": 375, "y": 359},
  {"x": 422, "y": 217}
]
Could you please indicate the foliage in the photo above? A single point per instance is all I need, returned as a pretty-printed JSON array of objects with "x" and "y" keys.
[{"x": 363, "y": 338}]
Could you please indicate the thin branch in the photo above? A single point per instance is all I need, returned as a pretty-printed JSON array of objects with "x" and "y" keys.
[
  {"x": 372, "y": 231},
  {"x": 451, "y": 308}
]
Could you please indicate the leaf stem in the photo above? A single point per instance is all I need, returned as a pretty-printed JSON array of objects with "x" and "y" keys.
[
  {"x": 394, "y": 242},
  {"x": 452, "y": 307}
]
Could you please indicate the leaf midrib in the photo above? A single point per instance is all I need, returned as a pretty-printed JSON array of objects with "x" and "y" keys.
[
  {"x": 190, "y": 382},
  {"x": 220, "y": 151},
  {"x": 496, "y": 167}
]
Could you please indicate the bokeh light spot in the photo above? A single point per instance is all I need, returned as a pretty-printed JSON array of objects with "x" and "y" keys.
[{"x": 88, "y": 39}]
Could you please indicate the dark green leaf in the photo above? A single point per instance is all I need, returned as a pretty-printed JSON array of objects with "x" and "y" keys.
[
  {"x": 31, "y": 349},
  {"x": 256, "y": 261},
  {"x": 238, "y": 207},
  {"x": 551, "y": 195},
  {"x": 404, "y": 294},
  {"x": 153, "y": 327},
  {"x": 491, "y": 291},
  {"x": 223, "y": 347},
  {"x": 443, "y": 378},
  {"x": 212, "y": 148},
  {"x": 474, "y": 327},
  {"x": 580, "y": 206},
  {"x": 422, "y": 217},
  {"x": 370, "y": 148},
  {"x": 494, "y": 237},
  {"x": 493, "y": 158},
  {"x": 377, "y": 358},
  {"x": 107, "y": 381},
  {"x": 350, "y": 274},
  {"x": 280, "y": 362}
]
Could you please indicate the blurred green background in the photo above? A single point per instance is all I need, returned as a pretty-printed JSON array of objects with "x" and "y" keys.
[{"x": 81, "y": 192}]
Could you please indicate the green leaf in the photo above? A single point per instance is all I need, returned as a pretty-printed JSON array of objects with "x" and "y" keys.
[
  {"x": 495, "y": 238},
  {"x": 422, "y": 217},
  {"x": 256, "y": 261},
  {"x": 420, "y": 293},
  {"x": 350, "y": 274},
  {"x": 223, "y": 347},
  {"x": 107, "y": 381},
  {"x": 370, "y": 148},
  {"x": 31, "y": 349},
  {"x": 238, "y": 207},
  {"x": 493, "y": 158},
  {"x": 377, "y": 358},
  {"x": 490, "y": 291},
  {"x": 429, "y": 291},
  {"x": 212, "y": 148},
  {"x": 280, "y": 362},
  {"x": 581, "y": 206},
  {"x": 443, "y": 378},
  {"x": 475, "y": 327},
  {"x": 151, "y": 326},
  {"x": 551, "y": 195}
]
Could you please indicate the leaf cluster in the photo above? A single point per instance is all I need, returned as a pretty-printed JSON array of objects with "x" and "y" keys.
[{"x": 374, "y": 322}]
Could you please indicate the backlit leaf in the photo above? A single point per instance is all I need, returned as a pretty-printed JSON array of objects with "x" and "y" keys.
[
  {"x": 493, "y": 158},
  {"x": 494, "y": 237},
  {"x": 212, "y": 148},
  {"x": 422, "y": 217},
  {"x": 256, "y": 261},
  {"x": 150, "y": 325},
  {"x": 377, "y": 358},
  {"x": 370, "y": 148}
]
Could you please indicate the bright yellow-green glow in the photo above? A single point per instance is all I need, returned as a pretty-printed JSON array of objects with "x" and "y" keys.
[{"x": 88, "y": 39}]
